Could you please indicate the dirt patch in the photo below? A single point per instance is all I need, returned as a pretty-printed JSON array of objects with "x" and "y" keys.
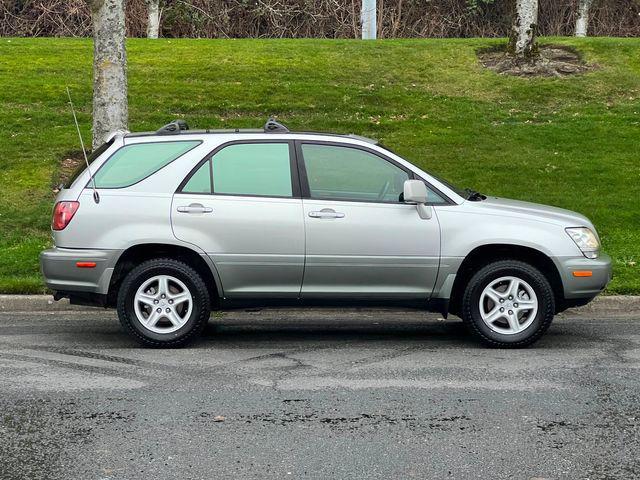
[
  {"x": 67, "y": 165},
  {"x": 552, "y": 61}
]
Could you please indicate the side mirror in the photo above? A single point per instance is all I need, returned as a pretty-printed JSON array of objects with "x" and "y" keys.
[{"x": 415, "y": 191}]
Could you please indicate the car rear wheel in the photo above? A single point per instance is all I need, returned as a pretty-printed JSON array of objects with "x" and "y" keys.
[
  {"x": 508, "y": 304},
  {"x": 163, "y": 303}
]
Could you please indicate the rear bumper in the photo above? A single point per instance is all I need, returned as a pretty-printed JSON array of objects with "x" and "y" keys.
[
  {"x": 584, "y": 287},
  {"x": 61, "y": 273}
]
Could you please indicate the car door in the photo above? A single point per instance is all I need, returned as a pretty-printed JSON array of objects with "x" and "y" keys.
[
  {"x": 242, "y": 206},
  {"x": 361, "y": 239}
]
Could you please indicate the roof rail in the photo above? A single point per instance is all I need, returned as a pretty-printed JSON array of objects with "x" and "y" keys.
[
  {"x": 274, "y": 127},
  {"x": 173, "y": 128}
]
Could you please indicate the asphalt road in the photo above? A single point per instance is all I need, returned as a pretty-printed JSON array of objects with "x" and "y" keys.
[{"x": 340, "y": 394}]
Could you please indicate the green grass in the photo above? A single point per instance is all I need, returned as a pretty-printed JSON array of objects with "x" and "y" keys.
[{"x": 570, "y": 142}]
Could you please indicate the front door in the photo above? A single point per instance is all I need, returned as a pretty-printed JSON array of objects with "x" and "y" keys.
[
  {"x": 242, "y": 207},
  {"x": 361, "y": 239}
]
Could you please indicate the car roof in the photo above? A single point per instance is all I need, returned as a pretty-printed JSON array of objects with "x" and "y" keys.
[
  {"x": 244, "y": 132},
  {"x": 180, "y": 127}
]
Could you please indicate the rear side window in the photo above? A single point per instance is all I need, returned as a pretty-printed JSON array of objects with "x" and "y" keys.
[
  {"x": 262, "y": 169},
  {"x": 132, "y": 163}
]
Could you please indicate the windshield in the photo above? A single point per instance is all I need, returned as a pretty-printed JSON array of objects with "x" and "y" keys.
[
  {"x": 82, "y": 165},
  {"x": 463, "y": 193}
]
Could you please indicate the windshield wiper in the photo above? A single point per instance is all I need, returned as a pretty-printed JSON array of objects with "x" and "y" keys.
[{"x": 473, "y": 195}]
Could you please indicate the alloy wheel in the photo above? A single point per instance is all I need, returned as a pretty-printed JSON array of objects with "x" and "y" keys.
[
  {"x": 163, "y": 304},
  {"x": 508, "y": 305}
]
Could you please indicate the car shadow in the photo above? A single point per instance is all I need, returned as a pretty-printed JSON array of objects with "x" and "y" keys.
[{"x": 435, "y": 332}]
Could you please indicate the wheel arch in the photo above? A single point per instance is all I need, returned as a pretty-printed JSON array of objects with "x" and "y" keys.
[
  {"x": 139, "y": 253},
  {"x": 484, "y": 254}
]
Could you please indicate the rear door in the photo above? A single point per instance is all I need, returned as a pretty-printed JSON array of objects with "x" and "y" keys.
[
  {"x": 242, "y": 206},
  {"x": 361, "y": 239}
]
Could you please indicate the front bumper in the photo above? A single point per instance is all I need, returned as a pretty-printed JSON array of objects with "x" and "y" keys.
[
  {"x": 584, "y": 287},
  {"x": 61, "y": 273}
]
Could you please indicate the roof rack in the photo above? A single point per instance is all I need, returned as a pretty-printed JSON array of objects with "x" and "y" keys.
[
  {"x": 173, "y": 128},
  {"x": 274, "y": 127}
]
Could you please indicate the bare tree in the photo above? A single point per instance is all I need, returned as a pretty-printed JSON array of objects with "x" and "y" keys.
[
  {"x": 582, "y": 22},
  {"x": 522, "y": 42},
  {"x": 153, "y": 18},
  {"x": 110, "y": 108}
]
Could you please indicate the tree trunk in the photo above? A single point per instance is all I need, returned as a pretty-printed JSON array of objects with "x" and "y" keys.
[
  {"x": 153, "y": 18},
  {"x": 368, "y": 18},
  {"x": 522, "y": 43},
  {"x": 110, "y": 109},
  {"x": 582, "y": 22}
]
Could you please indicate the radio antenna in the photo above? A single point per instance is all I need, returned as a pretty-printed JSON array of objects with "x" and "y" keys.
[{"x": 96, "y": 197}]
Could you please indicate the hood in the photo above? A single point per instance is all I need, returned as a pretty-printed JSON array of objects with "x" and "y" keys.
[{"x": 533, "y": 211}]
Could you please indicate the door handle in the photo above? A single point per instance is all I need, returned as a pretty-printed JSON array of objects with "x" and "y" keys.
[
  {"x": 194, "y": 208},
  {"x": 326, "y": 213}
]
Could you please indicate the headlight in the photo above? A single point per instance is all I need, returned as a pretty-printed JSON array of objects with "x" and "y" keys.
[{"x": 586, "y": 241}]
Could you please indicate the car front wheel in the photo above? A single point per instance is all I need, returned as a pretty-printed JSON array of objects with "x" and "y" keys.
[
  {"x": 508, "y": 304},
  {"x": 163, "y": 303}
]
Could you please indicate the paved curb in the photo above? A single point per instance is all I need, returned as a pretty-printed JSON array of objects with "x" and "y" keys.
[
  {"x": 37, "y": 303},
  {"x": 45, "y": 303},
  {"x": 610, "y": 304}
]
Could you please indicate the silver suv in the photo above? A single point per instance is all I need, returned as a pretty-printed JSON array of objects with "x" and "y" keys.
[{"x": 169, "y": 225}]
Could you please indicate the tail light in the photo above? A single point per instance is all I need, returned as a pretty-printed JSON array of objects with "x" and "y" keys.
[{"x": 63, "y": 212}]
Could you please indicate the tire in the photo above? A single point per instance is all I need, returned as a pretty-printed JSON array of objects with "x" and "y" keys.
[
  {"x": 517, "y": 324},
  {"x": 169, "y": 321}
]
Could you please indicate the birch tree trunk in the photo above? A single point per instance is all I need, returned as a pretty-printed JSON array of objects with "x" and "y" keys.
[
  {"x": 153, "y": 18},
  {"x": 522, "y": 43},
  {"x": 110, "y": 108},
  {"x": 368, "y": 14},
  {"x": 582, "y": 22}
]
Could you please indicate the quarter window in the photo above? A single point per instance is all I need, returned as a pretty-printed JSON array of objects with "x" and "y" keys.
[
  {"x": 200, "y": 181},
  {"x": 132, "y": 163},
  {"x": 262, "y": 169},
  {"x": 343, "y": 173}
]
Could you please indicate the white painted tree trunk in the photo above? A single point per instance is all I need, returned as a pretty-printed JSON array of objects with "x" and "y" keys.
[
  {"x": 582, "y": 22},
  {"x": 110, "y": 108},
  {"x": 368, "y": 18},
  {"x": 153, "y": 18},
  {"x": 523, "y": 34}
]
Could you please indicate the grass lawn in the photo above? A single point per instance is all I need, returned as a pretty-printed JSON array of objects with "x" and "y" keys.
[{"x": 570, "y": 142}]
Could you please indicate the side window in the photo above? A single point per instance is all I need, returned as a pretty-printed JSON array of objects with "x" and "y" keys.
[
  {"x": 253, "y": 169},
  {"x": 200, "y": 181},
  {"x": 344, "y": 173},
  {"x": 132, "y": 163}
]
